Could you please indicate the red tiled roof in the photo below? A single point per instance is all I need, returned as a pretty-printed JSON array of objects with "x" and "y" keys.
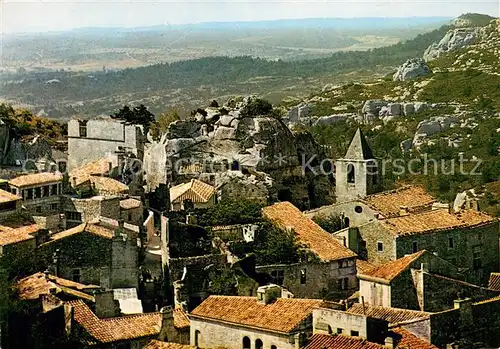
[
  {"x": 130, "y": 203},
  {"x": 392, "y": 315},
  {"x": 326, "y": 341},
  {"x": 84, "y": 227},
  {"x": 287, "y": 216},
  {"x": 494, "y": 283},
  {"x": 390, "y": 270},
  {"x": 154, "y": 344},
  {"x": 10, "y": 236},
  {"x": 437, "y": 220},
  {"x": 181, "y": 319},
  {"x": 410, "y": 341},
  {"x": 195, "y": 190},
  {"x": 118, "y": 328},
  {"x": 389, "y": 203},
  {"x": 31, "y": 287},
  {"x": 282, "y": 315},
  {"x": 364, "y": 266},
  {"x": 5, "y": 196},
  {"x": 36, "y": 179},
  {"x": 82, "y": 174}
]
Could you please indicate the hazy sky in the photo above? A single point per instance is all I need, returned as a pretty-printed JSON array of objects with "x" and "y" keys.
[{"x": 32, "y": 15}]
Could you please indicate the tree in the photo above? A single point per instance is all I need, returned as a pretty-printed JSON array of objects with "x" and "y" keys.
[
  {"x": 256, "y": 107},
  {"x": 228, "y": 212},
  {"x": 330, "y": 223},
  {"x": 214, "y": 104},
  {"x": 137, "y": 116},
  {"x": 273, "y": 245},
  {"x": 160, "y": 126}
]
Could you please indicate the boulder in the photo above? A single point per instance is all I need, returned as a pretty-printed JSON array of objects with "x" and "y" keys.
[
  {"x": 225, "y": 120},
  {"x": 331, "y": 119},
  {"x": 408, "y": 109},
  {"x": 183, "y": 129},
  {"x": 293, "y": 114},
  {"x": 223, "y": 132},
  {"x": 412, "y": 69},
  {"x": 394, "y": 109},
  {"x": 406, "y": 145},
  {"x": 373, "y": 106},
  {"x": 453, "y": 40},
  {"x": 420, "y": 106},
  {"x": 303, "y": 110}
]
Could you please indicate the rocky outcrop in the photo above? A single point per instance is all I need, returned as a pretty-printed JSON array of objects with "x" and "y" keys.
[
  {"x": 412, "y": 69},
  {"x": 331, "y": 119},
  {"x": 453, "y": 40},
  {"x": 372, "y": 107},
  {"x": 432, "y": 126}
]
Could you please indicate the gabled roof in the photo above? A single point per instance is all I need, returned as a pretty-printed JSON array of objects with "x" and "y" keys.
[
  {"x": 5, "y": 196},
  {"x": 325, "y": 246},
  {"x": 129, "y": 204},
  {"x": 195, "y": 190},
  {"x": 494, "y": 283},
  {"x": 391, "y": 315},
  {"x": 359, "y": 149},
  {"x": 364, "y": 266},
  {"x": 117, "y": 328},
  {"x": 389, "y": 203},
  {"x": 31, "y": 287},
  {"x": 436, "y": 220},
  {"x": 109, "y": 185},
  {"x": 390, "y": 270},
  {"x": 9, "y": 236},
  {"x": 326, "y": 341},
  {"x": 409, "y": 340},
  {"x": 154, "y": 344},
  {"x": 282, "y": 315},
  {"x": 36, "y": 179},
  {"x": 91, "y": 228},
  {"x": 82, "y": 174}
]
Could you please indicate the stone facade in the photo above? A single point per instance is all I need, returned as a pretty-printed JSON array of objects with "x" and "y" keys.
[
  {"x": 88, "y": 210},
  {"x": 356, "y": 212},
  {"x": 92, "y": 140},
  {"x": 237, "y": 188},
  {"x": 330, "y": 280},
  {"x": 40, "y": 199}
]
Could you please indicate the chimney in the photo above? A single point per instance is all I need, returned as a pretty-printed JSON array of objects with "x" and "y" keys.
[
  {"x": 269, "y": 293},
  {"x": 105, "y": 304},
  {"x": 167, "y": 330},
  {"x": 403, "y": 210},
  {"x": 389, "y": 343}
]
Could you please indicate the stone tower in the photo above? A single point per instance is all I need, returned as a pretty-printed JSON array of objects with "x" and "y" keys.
[{"x": 356, "y": 175}]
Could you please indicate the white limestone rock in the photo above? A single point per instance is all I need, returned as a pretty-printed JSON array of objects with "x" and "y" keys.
[
  {"x": 412, "y": 69},
  {"x": 331, "y": 119},
  {"x": 453, "y": 40}
]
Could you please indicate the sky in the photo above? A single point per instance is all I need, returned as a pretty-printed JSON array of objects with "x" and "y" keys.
[{"x": 48, "y": 15}]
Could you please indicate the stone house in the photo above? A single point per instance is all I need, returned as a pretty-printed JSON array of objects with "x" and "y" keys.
[
  {"x": 40, "y": 192},
  {"x": 420, "y": 281},
  {"x": 131, "y": 211},
  {"x": 90, "y": 140},
  {"x": 87, "y": 210},
  {"x": 16, "y": 244},
  {"x": 195, "y": 194},
  {"x": 94, "y": 253},
  {"x": 265, "y": 321},
  {"x": 331, "y": 269},
  {"x": 10, "y": 204}
]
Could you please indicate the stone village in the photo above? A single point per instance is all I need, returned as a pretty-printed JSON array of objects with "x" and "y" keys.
[{"x": 113, "y": 247}]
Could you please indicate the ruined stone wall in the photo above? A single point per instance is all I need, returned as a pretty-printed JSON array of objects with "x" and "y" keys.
[
  {"x": 238, "y": 189},
  {"x": 321, "y": 278},
  {"x": 132, "y": 216},
  {"x": 176, "y": 265},
  {"x": 211, "y": 334},
  {"x": 465, "y": 242}
]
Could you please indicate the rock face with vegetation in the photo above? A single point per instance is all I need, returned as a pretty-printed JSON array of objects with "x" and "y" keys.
[
  {"x": 452, "y": 41},
  {"x": 411, "y": 69}
]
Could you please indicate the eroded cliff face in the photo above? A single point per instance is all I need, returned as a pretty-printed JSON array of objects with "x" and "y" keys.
[{"x": 224, "y": 138}]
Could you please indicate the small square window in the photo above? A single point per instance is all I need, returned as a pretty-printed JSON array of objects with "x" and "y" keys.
[
  {"x": 339, "y": 331},
  {"x": 355, "y": 333},
  {"x": 38, "y": 209},
  {"x": 54, "y": 207},
  {"x": 380, "y": 246},
  {"x": 414, "y": 246},
  {"x": 451, "y": 243}
]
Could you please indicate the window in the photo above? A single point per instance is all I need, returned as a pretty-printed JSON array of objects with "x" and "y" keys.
[
  {"x": 302, "y": 276},
  {"x": 73, "y": 216},
  {"x": 45, "y": 190},
  {"x": 476, "y": 257},
  {"x": 38, "y": 209},
  {"x": 130, "y": 217},
  {"x": 246, "y": 343},
  {"x": 354, "y": 333},
  {"x": 274, "y": 347},
  {"x": 346, "y": 222},
  {"x": 54, "y": 189},
  {"x": 13, "y": 191},
  {"x": 451, "y": 243},
  {"x": 330, "y": 331},
  {"x": 54, "y": 207},
  {"x": 30, "y": 194},
  {"x": 380, "y": 246},
  {"x": 75, "y": 275},
  {"x": 197, "y": 338},
  {"x": 343, "y": 284},
  {"x": 83, "y": 128},
  {"x": 38, "y": 193},
  {"x": 259, "y": 344},
  {"x": 358, "y": 209},
  {"x": 278, "y": 277},
  {"x": 414, "y": 246},
  {"x": 339, "y": 331},
  {"x": 351, "y": 176},
  {"x": 341, "y": 264}
]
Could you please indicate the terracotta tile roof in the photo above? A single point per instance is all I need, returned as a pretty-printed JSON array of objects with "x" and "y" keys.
[
  {"x": 9, "y": 236},
  {"x": 287, "y": 216},
  {"x": 392, "y": 315},
  {"x": 364, "y": 266},
  {"x": 154, "y": 344},
  {"x": 326, "y": 341},
  {"x": 390, "y": 270},
  {"x": 409, "y": 340},
  {"x": 494, "y": 283},
  {"x": 181, "y": 319},
  {"x": 282, "y": 315},
  {"x": 437, "y": 220},
  {"x": 109, "y": 185},
  {"x": 31, "y": 287},
  {"x": 195, "y": 190},
  {"x": 5, "y": 196},
  {"x": 82, "y": 174},
  {"x": 389, "y": 203},
  {"x": 130, "y": 203},
  {"x": 118, "y": 328},
  {"x": 84, "y": 227},
  {"x": 36, "y": 179}
]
